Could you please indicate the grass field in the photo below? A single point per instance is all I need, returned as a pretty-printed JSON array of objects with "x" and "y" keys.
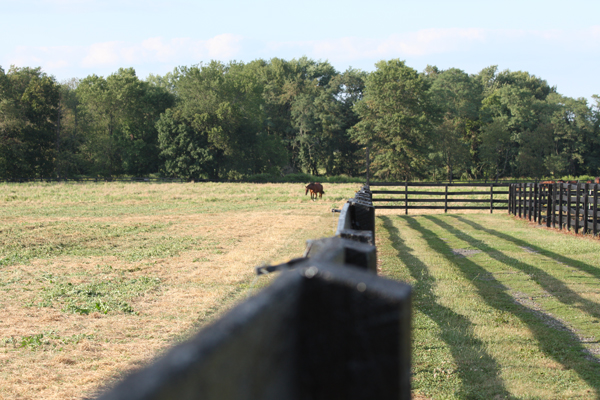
[
  {"x": 502, "y": 309},
  {"x": 97, "y": 279}
]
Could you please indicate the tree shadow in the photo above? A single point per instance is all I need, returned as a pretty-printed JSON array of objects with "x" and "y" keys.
[
  {"x": 476, "y": 368},
  {"x": 554, "y": 338},
  {"x": 590, "y": 269},
  {"x": 552, "y": 285}
]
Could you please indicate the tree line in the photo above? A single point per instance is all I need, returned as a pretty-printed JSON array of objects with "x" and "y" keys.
[{"x": 241, "y": 120}]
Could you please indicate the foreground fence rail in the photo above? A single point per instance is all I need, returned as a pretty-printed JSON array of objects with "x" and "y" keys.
[
  {"x": 570, "y": 206},
  {"x": 327, "y": 328},
  {"x": 495, "y": 196}
]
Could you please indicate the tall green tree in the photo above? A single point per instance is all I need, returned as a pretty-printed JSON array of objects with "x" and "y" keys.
[
  {"x": 29, "y": 101},
  {"x": 574, "y": 136},
  {"x": 119, "y": 115},
  {"x": 221, "y": 107},
  {"x": 516, "y": 105},
  {"x": 458, "y": 99},
  {"x": 395, "y": 123}
]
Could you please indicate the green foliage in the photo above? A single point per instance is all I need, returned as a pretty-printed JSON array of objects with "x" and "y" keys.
[
  {"x": 216, "y": 129},
  {"x": 28, "y": 117},
  {"x": 456, "y": 138},
  {"x": 97, "y": 296},
  {"x": 119, "y": 114},
  {"x": 395, "y": 120},
  {"x": 50, "y": 240},
  {"x": 231, "y": 121},
  {"x": 45, "y": 341}
]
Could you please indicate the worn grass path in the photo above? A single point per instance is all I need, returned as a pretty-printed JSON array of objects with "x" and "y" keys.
[{"x": 502, "y": 309}]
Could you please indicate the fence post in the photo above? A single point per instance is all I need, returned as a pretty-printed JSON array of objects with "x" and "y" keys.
[
  {"x": 586, "y": 204},
  {"x": 530, "y": 204},
  {"x": 525, "y": 204},
  {"x": 548, "y": 209},
  {"x": 560, "y": 205},
  {"x": 492, "y": 198},
  {"x": 510, "y": 198},
  {"x": 521, "y": 200},
  {"x": 577, "y": 202},
  {"x": 406, "y": 197},
  {"x": 568, "y": 207},
  {"x": 541, "y": 195},
  {"x": 542, "y": 190},
  {"x": 535, "y": 201},
  {"x": 553, "y": 205},
  {"x": 595, "y": 211},
  {"x": 446, "y": 200}
]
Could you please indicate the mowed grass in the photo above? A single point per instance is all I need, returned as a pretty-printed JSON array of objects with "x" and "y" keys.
[
  {"x": 502, "y": 309},
  {"x": 99, "y": 279}
]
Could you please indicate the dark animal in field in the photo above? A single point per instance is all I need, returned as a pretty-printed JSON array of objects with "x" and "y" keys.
[{"x": 315, "y": 189}]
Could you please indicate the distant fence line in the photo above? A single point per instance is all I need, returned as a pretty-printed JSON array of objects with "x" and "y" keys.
[
  {"x": 329, "y": 328},
  {"x": 497, "y": 198},
  {"x": 571, "y": 206}
]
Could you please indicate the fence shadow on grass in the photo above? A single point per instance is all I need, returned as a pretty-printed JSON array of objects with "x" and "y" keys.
[
  {"x": 476, "y": 368},
  {"x": 553, "y": 337},
  {"x": 590, "y": 269},
  {"x": 550, "y": 284}
]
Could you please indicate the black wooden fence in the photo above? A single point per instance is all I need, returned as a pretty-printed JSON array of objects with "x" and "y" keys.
[
  {"x": 329, "y": 328},
  {"x": 571, "y": 206},
  {"x": 482, "y": 196}
]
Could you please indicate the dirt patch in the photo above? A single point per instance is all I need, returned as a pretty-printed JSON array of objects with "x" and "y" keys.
[
  {"x": 591, "y": 345},
  {"x": 529, "y": 249},
  {"x": 465, "y": 252}
]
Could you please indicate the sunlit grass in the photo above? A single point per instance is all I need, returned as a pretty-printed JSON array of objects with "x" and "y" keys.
[{"x": 501, "y": 309}]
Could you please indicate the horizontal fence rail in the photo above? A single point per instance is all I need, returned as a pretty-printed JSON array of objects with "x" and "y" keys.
[
  {"x": 327, "y": 328},
  {"x": 570, "y": 206},
  {"x": 494, "y": 198}
]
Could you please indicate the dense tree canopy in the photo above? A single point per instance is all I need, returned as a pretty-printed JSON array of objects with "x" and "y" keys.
[{"x": 236, "y": 120}]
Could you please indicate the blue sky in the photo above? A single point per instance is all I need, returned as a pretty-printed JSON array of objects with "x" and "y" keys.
[{"x": 556, "y": 40}]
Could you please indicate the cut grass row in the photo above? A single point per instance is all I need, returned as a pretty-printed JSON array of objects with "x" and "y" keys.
[{"x": 501, "y": 309}]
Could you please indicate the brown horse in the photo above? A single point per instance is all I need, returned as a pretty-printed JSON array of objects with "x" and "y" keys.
[{"x": 315, "y": 188}]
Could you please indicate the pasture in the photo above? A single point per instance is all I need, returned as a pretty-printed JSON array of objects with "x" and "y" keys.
[{"x": 99, "y": 279}]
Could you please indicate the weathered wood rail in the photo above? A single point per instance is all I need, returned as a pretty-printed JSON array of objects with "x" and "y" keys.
[
  {"x": 327, "y": 328},
  {"x": 571, "y": 206},
  {"x": 496, "y": 196}
]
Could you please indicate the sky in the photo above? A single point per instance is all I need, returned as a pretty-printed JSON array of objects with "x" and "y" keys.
[{"x": 558, "y": 41}]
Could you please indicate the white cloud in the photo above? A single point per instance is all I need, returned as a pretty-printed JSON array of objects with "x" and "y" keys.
[
  {"x": 423, "y": 42},
  {"x": 102, "y": 54},
  {"x": 170, "y": 52},
  {"x": 116, "y": 54},
  {"x": 429, "y": 42},
  {"x": 223, "y": 46}
]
